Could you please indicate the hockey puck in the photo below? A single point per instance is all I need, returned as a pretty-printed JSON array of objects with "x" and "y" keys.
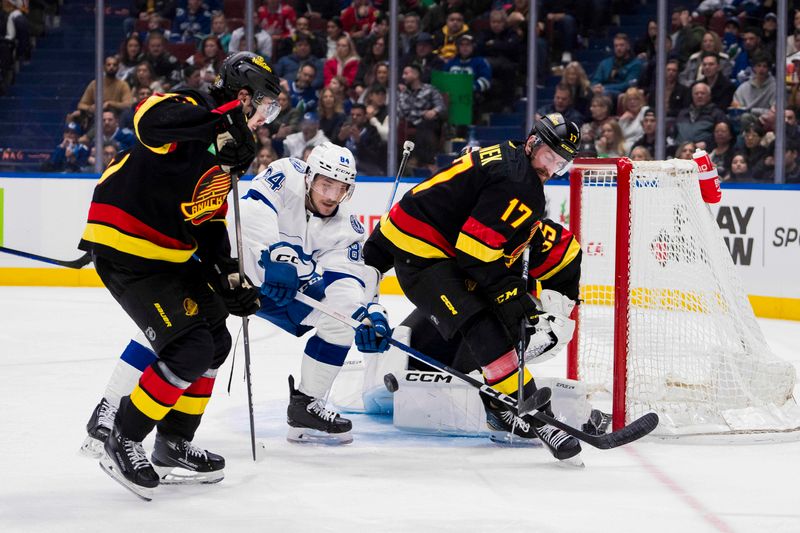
[{"x": 390, "y": 382}]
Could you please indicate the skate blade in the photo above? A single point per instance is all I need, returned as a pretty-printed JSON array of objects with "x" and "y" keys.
[
  {"x": 504, "y": 438},
  {"x": 313, "y": 436},
  {"x": 108, "y": 466},
  {"x": 575, "y": 462},
  {"x": 92, "y": 448},
  {"x": 181, "y": 476}
]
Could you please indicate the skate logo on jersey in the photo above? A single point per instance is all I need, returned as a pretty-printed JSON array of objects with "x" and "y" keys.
[
  {"x": 190, "y": 306},
  {"x": 209, "y": 196},
  {"x": 357, "y": 226}
]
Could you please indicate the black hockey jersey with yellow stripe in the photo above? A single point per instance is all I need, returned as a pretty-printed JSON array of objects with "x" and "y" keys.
[
  {"x": 165, "y": 199},
  {"x": 482, "y": 210}
]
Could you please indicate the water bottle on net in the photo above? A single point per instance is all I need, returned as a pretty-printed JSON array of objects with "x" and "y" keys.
[{"x": 708, "y": 177}]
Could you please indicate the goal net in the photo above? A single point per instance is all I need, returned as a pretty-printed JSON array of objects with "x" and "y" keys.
[{"x": 665, "y": 324}]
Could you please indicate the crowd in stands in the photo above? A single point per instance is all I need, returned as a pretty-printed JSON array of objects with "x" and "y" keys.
[
  {"x": 20, "y": 24},
  {"x": 332, "y": 56}
]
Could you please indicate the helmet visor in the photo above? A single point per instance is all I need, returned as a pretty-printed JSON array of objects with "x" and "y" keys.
[
  {"x": 267, "y": 107},
  {"x": 549, "y": 159},
  {"x": 331, "y": 189}
]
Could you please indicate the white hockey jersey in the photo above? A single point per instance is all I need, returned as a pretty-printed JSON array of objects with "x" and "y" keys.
[{"x": 274, "y": 215}]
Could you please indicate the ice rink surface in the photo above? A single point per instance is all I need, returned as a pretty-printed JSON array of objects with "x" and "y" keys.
[{"x": 57, "y": 349}]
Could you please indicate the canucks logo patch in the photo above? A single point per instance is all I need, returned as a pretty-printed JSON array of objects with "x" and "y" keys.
[
  {"x": 298, "y": 164},
  {"x": 357, "y": 226}
]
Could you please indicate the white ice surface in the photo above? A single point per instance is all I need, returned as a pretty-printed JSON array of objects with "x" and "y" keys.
[{"x": 57, "y": 349}]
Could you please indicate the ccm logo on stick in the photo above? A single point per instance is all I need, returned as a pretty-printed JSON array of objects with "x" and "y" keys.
[{"x": 428, "y": 377}]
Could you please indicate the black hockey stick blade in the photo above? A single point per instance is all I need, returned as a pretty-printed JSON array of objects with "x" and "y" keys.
[
  {"x": 78, "y": 263},
  {"x": 632, "y": 432},
  {"x": 535, "y": 401}
]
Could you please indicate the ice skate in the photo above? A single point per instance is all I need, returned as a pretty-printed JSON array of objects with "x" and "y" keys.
[
  {"x": 98, "y": 428},
  {"x": 125, "y": 461},
  {"x": 310, "y": 421},
  {"x": 179, "y": 462},
  {"x": 505, "y": 427},
  {"x": 563, "y": 446}
]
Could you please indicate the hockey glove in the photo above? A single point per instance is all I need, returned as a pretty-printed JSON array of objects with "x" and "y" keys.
[
  {"x": 235, "y": 143},
  {"x": 553, "y": 330},
  {"x": 239, "y": 296},
  {"x": 372, "y": 336},
  {"x": 280, "y": 275},
  {"x": 513, "y": 305}
]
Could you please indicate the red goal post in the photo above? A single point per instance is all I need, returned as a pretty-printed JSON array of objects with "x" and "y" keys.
[{"x": 664, "y": 324}]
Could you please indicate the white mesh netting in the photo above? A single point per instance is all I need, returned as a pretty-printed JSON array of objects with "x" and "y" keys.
[{"x": 696, "y": 354}]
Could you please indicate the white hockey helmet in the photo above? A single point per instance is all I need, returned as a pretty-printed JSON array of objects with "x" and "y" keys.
[{"x": 332, "y": 161}]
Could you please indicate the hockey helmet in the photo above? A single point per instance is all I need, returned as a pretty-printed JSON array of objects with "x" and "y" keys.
[
  {"x": 334, "y": 162},
  {"x": 561, "y": 136},
  {"x": 246, "y": 70}
]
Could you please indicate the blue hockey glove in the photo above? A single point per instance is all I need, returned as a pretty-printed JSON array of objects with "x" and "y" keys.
[
  {"x": 372, "y": 336},
  {"x": 280, "y": 276}
]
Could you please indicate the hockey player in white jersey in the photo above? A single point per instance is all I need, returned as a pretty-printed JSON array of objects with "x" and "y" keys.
[{"x": 296, "y": 237}]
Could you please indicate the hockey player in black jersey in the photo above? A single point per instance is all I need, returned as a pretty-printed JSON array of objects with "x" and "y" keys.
[
  {"x": 455, "y": 240},
  {"x": 156, "y": 231}
]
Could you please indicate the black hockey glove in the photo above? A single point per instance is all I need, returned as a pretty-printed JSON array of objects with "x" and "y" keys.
[
  {"x": 512, "y": 305},
  {"x": 240, "y": 299},
  {"x": 235, "y": 143}
]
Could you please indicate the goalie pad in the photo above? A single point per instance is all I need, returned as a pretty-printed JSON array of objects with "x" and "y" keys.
[{"x": 553, "y": 330}]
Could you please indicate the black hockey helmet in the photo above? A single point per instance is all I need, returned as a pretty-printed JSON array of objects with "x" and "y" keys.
[
  {"x": 561, "y": 136},
  {"x": 246, "y": 70}
]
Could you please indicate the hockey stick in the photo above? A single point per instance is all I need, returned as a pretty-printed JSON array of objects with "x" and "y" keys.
[
  {"x": 633, "y": 431},
  {"x": 245, "y": 330},
  {"x": 524, "y": 405},
  {"x": 408, "y": 147},
  {"x": 78, "y": 263}
]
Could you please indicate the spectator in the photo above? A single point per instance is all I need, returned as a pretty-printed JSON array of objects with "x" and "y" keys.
[
  {"x": 130, "y": 55},
  {"x": 466, "y": 62},
  {"x": 377, "y": 111},
  {"x": 752, "y": 149},
  {"x": 265, "y": 156},
  {"x": 722, "y": 154},
  {"x": 731, "y": 42},
  {"x": 219, "y": 29},
  {"x": 769, "y": 28},
  {"x": 302, "y": 94},
  {"x": 140, "y": 95},
  {"x": 330, "y": 112},
  {"x": 685, "y": 150},
  {"x": 70, "y": 155},
  {"x": 361, "y": 138},
  {"x": 165, "y": 65},
  {"x": 558, "y": 14},
  {"x": 344, "y": 63},
  {"x": 647, "y": 78},
  {"x": 610, "y": 143},
  {"x": 144, "y": 76},
  {"x": 376, "y": 53},
  {"x": 408, "y": 35},
  {"x": 358, "y": 17},
  {"x": 156, "y": 24},
  {"x": 576, "y": 79},
  {"x": 630, "y": 121},
  {"x": 711, "y": 44},
  {"x": 502, "y": 48},
  {"x": 380, "y": 28},
  {"x": 333, "y": 30},
  {"x": 602, "y": 111},
  {"x": 791, "y": 43},
  {"x": 424, "y": 57},
  {"x": 518, "y": 22},
  {"x": 676, "y": 95},
  {"x": 287, "y": 66},
  {"x": 689, "y": 36},
  {"x": 740, "y": 171},
  {"x": 277, "y": 18},
  {"x": 436, "y": 16},
  {"x": 721, "y": 87},
  {"x": 192, "y": 79},
  {"x": 17, "y": 27},
  {"x": 262, "y": 37},
  {"x": 208, "y": 60},
  {"x": 648, "y": 137},
  {"x": 645, "y": 46},
  {"x": 757, "y": 94},
  {"x": 641, "y": 153},
  {"x": 339, "y": 86},
  {"x": 112, "y": 132},
  {"x": 302, "y": 29},
  {"x": 285, "y": 123},
  {"x": 422, "y": 107},
  {"x": 791, "y": 173},
  {"x": 751, "y": 46},
  {"x": 562, "y": 103},
  {"x": 145, "y": 9},
  {"x": 587, "y": 147},
  {"x": 444, "y": 39},
  {"x": 192, "y": 23},
  {"x": 615, "y": 74},
  {"x": 792, "y": 127},
  {"x": 116, "y": 94},
  {"x": 309, "y": 135},
  {"x": 318, "y": 9},
  {"x": 110, "y": 151},
  {"x": 696, "y": 122}
]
